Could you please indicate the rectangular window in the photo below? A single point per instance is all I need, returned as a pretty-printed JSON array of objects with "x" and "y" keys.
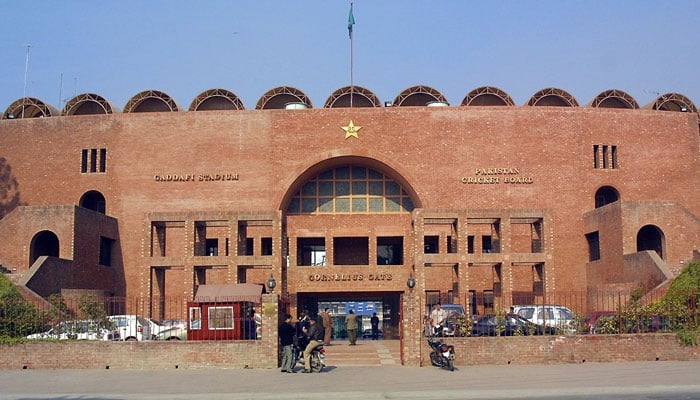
[
  {"x": 390, "y": 250},
  {"x": 195, "y": 318},
  {"x": 93, "y": 160},
  {"x": 212, "y": 246},
  {"x": 103, "y": 160},
  {"x": 486, "y": 246},
  {"x": 593, "y": 246},
  {"x": 596, "y": 156},
  {"x": 220, "y": 318},
  {"x": 311, "y": 251},
  {"x": 431, "y": 244},
  {"x": 266, "y": 246},
  {"x": 604, "y": 156},
  {"x": 84, "y": 161},
  {"x": 106, "y": 245},
  {"x": 470, "y": 244}
]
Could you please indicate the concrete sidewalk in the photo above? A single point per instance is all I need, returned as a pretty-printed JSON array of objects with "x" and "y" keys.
[{"x": 666, "y": 379}]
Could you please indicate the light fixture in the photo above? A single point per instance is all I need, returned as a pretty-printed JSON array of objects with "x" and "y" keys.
[
  {"x": 684, "y": 108},
  {"x": 10, "y": 115},
  {"x": 388, "y": 104},
  {"x": 271, "y": 283},
  {"x": 411, "y": 282}
]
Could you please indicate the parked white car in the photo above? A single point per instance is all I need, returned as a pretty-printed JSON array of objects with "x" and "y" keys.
[
  {"x": 78, "y": 330},
  {"x": 131, "y": 327},
  {"x": 559, "y": 317}
]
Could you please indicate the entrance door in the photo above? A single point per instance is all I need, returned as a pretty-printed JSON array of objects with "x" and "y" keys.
[{"x": 363, "y": 304}]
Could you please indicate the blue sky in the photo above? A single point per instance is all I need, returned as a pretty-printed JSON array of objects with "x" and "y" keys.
[{"x": 120, "y": 48}]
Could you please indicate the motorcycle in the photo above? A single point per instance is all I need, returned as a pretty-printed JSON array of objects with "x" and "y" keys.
[
  {"x": 441, "y": 354},
  {"x": 318, "y": 356}
]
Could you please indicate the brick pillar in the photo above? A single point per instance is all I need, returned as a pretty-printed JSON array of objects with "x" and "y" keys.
[
  {"x": 269, "y": 343},
  {"x": 412, "y": 323}
]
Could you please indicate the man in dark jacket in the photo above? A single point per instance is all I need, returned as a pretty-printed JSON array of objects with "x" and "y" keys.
[
  {"x": 287, "y": 332},
  {"x": 315, "y": 334}
]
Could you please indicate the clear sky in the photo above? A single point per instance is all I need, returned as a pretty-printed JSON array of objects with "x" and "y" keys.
[{"x": 119, "y": 48}]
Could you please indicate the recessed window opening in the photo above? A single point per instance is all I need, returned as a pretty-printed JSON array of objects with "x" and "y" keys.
[
  {"x": 266, "y": 246},
  {"x": 106, "y": 246},
  {"x": 650, "y": 237},
  {"x": 593, "y": 246},
  {"x": 311, "y": 251},
  {"x": 431, "y": 244},
  {"x": 486, "y": 245},
  {"x": 212, "y": 247},
  {"x": 390, "y": 250},
  {"x": 606, "y": 195}
]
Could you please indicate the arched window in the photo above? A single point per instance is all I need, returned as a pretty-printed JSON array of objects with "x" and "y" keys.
[
  {"x": 93, "y": 200},
  {"x": 350, "y": 189},
  {"x": 650, "y": 237},
  {"x": 606, "y": 195},
  {"x": 44, "y": 243}
]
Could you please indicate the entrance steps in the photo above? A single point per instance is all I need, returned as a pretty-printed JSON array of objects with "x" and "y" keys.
[{"x": 365, "y": 352}]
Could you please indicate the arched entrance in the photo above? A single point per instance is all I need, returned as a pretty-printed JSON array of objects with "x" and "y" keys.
[
  {"x": 44, "y": 243},
  {"x": 349, "y": 237},
  {"x": 650, "y": 237},
  {"x": 93, "y": 200}
]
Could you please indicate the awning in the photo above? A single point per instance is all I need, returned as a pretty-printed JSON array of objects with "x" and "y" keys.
[{"x": 249, "y": 292}]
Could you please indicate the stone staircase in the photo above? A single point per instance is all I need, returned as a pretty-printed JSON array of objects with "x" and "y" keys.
[{"x": 365, "y": 352}]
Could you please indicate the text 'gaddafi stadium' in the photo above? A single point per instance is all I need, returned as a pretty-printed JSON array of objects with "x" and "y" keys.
[{"x": 486, "y": 203}]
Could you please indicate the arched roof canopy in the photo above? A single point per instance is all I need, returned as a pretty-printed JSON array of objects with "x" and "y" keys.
[
  {"x": 29, "y": 107},
  {"x": 343, "y": 161},
  {"x": 419, "y": 96},
  {"x": 361, "y": 97},
  {"x": 672, "y": 102},
  {"x": 151, "y": 101},
  {"x": 279, "y": 97},
  {"x": 613, "y": 98},
  {"x": 552, "y": 97},
  {"x": 487, "y": 96},
  {"x": 88, "y": 104},
  {"x": 216, "y": 99}
]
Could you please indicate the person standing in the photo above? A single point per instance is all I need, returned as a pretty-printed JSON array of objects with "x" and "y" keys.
[
  {"x": 351, "y": 325},
  {"x": 375, "y": 326},
  {"x": 437, "y": 319},
  {"x": 327, "y": 326},
  {"x": 315, "y": 335},
  {"x": 287, "y": 332}
]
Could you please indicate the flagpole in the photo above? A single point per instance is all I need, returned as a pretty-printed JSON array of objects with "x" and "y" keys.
[{"x": 351, "y": 22}]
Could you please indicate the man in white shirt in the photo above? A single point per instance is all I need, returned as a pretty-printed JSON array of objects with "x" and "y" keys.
[{"x": 437, "y": 319}]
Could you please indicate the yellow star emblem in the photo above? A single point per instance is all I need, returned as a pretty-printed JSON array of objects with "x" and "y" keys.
[{"x": 351, "y": 130}]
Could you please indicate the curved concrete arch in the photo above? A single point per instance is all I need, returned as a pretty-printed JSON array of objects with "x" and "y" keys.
[
  {"x": 279, "y": 97},
  {"x": 672, "y": 102},
  {"x": 30, "y": 107},
  {"x": 332, "y": 161},
  {"x": 487, "y": 96},
  {"x": 419, "y": 96},
  {"x": 361, "y": 97},
  {"x": 216, "y": 99},
  {"x": 552, "y": 97},
  {"x": 88, "y": 104},
  {"x": 613, "y": 98},
  {"x": 151, "y": 101}
]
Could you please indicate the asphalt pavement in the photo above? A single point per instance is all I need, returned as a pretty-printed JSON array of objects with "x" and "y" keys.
[{"x": 642, "y": 380}]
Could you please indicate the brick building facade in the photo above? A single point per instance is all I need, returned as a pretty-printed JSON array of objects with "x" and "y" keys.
[{"x": 485, "y": 204}]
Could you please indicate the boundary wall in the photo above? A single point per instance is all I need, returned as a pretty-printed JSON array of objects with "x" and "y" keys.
[{"x": 257, "y": 354}]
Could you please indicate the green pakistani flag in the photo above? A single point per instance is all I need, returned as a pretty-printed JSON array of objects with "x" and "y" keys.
[{"x": 351, "y": 22}]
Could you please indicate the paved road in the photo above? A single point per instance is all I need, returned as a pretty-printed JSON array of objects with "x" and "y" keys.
[{"x": 648, "y": 380}]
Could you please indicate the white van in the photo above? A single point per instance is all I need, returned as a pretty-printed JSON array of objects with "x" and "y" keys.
[
  {"x": 548, "y": 315},
  {"x": 131, "y": 327}
]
